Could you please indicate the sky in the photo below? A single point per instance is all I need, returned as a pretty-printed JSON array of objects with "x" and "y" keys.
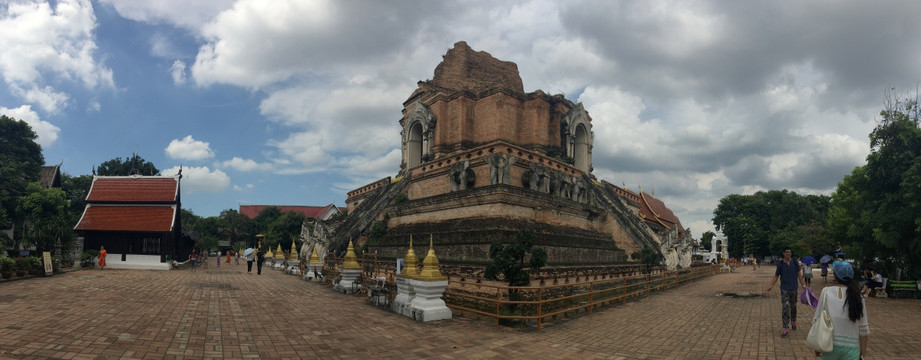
[{"x": 297, "y": 102}]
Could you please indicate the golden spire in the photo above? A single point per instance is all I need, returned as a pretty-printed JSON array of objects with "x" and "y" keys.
[
  {"x": 278, "y": 253},
  {"x": 292, "y": 256},
  {"x": 350, "y": 262},
  {"x": 430, "y": 265},
  {"x": 314, "y": 259},
  {"x": 268, "y": 252},
  {"x": 412, "y": 262}
]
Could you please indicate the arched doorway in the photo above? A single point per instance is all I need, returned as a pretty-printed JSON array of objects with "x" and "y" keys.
[
  {"x": 580, "y": 149},
  {"x": 414, "y": 146}
]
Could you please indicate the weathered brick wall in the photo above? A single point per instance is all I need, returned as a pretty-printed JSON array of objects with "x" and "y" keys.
[{"x": 476, "y": 71}]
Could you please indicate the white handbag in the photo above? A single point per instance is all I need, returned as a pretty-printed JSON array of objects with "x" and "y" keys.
[{"x": 821, "y": 336}]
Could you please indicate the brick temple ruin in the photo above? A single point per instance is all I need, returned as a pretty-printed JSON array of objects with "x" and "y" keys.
[{"x": 483, "y": 160}]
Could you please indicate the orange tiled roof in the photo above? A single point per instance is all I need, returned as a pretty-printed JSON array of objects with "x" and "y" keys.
[
  {"x": 154, "y": 218},
  {"x": 251, "y": 211},
  {"x": 656, "y": 210},
  {"x": 134, "y": 189}
]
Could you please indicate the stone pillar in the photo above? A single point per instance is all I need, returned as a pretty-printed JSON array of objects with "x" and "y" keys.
[
  {"x": 405, "y": 294},
  {"x": 429, "y": 286},
  {"x": 349, "y": 273}
]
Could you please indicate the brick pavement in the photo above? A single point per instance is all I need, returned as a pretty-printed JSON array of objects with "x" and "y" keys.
[{"x": 226, "y": 313}]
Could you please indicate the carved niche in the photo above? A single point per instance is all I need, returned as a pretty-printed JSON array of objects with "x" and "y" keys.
[
  {"x": 577, "y": 137},
  {"x": 418, "y": 136}
]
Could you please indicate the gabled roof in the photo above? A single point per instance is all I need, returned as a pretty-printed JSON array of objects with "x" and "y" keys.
[
  {"x": 317, "y": 212},
  {"x": 152, "y": 218},
  {"x": 654, "y": 210},
  {"x": 134, "y": 189},
  {"x": 50, "y": 176}
]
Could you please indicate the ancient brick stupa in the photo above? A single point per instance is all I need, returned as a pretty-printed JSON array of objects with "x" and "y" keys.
[{"x": 483, "y": 160}]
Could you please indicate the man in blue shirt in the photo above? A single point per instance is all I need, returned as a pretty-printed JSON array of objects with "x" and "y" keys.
[{"x": 789, "y": 272}]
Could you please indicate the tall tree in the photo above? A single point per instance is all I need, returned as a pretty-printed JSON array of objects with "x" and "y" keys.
[
  {"x": 876, "y": 210},
  {"x": 706, "y": 239},
  {"x": 47, "y": 222},
  {"x": 119, "y": 167},
  {"x": 76, "y": 188},
  {"x": 237, "y": 227},
  {"x": 765, "y": 222},
  {"x": 285, "y": 229},
  {"x": 21, "y": 161}
]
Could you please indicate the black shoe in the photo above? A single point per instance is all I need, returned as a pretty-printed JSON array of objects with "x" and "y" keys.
[{"x": 794, "y": 326}]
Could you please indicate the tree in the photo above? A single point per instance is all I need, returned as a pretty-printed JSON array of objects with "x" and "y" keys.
[
  {"x": 265, "y": 218},
  {"x": 766, "y": 221},
  {"x": 45, "y": 212},
  {"x": 76, "y": 188},
  {"x": 285, "y": 229},
  {"x": 21, "y": 161},
  {"x": 509, "y": 260},
  {"x": 236, "y": 227},
  {"x": 876, "y": 210},
  {"x": 119, "y": 167},
  {"x": 649, "y": 257},
  {"x": 706, "y": 239}
]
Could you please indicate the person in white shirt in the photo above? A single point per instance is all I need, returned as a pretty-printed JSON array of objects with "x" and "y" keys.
[{"x": 848, "y": 313}]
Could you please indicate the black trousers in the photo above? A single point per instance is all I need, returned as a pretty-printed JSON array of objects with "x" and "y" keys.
[
  {"x": 249, "y": 266},
  {"x": 259, "y": 267}
]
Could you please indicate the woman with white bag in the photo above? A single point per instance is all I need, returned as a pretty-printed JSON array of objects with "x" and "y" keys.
[{"x": 848, "y": 313}]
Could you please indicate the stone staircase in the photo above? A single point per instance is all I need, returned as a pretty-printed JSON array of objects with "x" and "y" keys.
[
  {"x": 365, "y": 213},
  {"x": 628, "y": 219}
]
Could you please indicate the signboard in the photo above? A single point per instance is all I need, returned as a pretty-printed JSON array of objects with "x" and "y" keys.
[{"x": 49, "y": 268}]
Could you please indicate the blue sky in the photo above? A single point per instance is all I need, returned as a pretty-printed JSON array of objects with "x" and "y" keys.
[{"x": 297, "y": 102}]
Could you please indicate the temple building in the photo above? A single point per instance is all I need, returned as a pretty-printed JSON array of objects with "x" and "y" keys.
[
  {"x": 482, "y": 160},
  {"x": 137, "y": 219}
]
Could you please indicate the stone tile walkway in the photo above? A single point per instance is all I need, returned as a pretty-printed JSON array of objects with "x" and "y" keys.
[{"x": 226, "y": 313}]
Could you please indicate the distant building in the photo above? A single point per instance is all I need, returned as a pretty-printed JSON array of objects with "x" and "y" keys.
[
  {"x": 316, "y": 212},
  {"x": 50, "y": 176},
  {"x": 137, "y": 219}
]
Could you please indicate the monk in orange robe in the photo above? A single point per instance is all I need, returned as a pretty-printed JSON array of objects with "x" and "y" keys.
[
  {"x": 228, "y": 257},
  {"x": 102, "y": 257}
]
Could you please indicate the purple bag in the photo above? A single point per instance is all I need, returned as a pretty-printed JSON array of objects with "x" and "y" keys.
[{"x": 808, "y": 297}]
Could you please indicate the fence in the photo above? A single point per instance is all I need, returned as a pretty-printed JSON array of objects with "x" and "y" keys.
[{"x": 513, "y": 305}]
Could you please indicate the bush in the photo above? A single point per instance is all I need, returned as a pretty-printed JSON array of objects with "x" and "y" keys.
[
  {"x": 34, "y": 262},
  {"x": 86, "y": 258},
  {"x": 7, "y": 264},
  {"x": 22, "y": 264}
]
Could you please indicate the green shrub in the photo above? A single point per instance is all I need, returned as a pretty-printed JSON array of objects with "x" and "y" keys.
[
  {"x": 7, "y": 264},
  {"x": 22, "y": 264},
  {"x": 34, "y": 262}
]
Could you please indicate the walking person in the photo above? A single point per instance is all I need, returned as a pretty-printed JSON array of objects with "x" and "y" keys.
[
  {"x": 102, "y": 257},
  {"x": 218, "y": 257},
  {"x": 848, "y": 313},
  {"x": 260, "y": 258},
  {"x": 249, "y": 262},
  {"x": 807, "y": 274},
  {"x": 790, "y": 275},
  {"x": 193, "y": 257},
  {"x": 236, "y": 258}
]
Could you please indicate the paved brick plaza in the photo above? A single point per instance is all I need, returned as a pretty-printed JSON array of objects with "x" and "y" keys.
[{"x": 226, "y": 313}]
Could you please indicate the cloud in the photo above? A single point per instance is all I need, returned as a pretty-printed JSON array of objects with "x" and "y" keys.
[
  {"x": 200, "y": 179},
  {"x": 189, "y": 149},
  {"x": 244, "y": 187},
  {"x": 245, "y": 164},
  {"x": 177, "y": 70},
  {"x": 44, "y": 46},
  {"x": 308, "y": 38},
  {"x": 182, "y": 13},
  {"x": 46, "y": 131}
]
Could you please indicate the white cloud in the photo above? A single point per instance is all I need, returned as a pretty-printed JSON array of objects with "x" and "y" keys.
[
  {"x": 189, "y": 149},
  {"x": 244, "y": 187},
  {"x": 46, "y": 131},
  {"x": 200, "y": 179},
  {"x": 43, "y": 45},
  {"x": 182, "y": 13},
  {"x": 177, "y": 70},
  {"x": 245, "y": 164}
]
